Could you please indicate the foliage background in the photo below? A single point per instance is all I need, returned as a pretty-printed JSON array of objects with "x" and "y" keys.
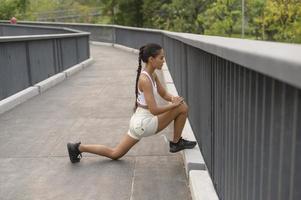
[{"x": 272, "y": 20}]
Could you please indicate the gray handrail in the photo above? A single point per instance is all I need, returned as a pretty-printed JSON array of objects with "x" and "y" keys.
[
  {"x": 40, "y": 37},
  {"x": 69, "y": 33},
  {"x": 278, "y": 60},
  {"x": 33, "y": 53},
  {"x": 281, "y": 61}
]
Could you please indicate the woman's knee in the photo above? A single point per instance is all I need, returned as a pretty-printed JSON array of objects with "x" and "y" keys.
[
  {"x": 116, "y": 155},
  {"x": 183, "y": 108}
]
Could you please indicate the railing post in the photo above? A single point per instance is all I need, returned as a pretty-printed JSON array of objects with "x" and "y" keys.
[
  {"x": 114, "y": 35},
  {"x": 28, "y": 65}
]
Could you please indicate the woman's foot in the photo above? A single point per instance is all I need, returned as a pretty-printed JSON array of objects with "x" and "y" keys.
[
  {"x": 74, "y": 153},
  {"x": 180, "y": 145}
]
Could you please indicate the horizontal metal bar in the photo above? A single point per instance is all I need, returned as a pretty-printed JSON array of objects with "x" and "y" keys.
[{"x": 40, "y": 37}]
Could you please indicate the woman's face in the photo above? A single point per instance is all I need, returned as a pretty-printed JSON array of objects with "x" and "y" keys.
[{"x": 158, "y": 61}]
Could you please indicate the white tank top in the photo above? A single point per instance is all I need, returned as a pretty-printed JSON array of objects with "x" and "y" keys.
[{"x": 141, "y": 98}]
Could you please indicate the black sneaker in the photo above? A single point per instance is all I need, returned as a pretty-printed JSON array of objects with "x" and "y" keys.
[
  {"x": 182, "y": 144},
  {"x": 74, "y": 153}
]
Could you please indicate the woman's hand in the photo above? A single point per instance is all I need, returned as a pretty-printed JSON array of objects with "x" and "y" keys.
[{"x": 177, "y": 100}]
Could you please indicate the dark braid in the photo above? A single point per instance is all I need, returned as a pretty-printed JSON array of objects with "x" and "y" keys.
[
  {"x": 149, "y": 50},
  {"x": 138, "y": 74}
]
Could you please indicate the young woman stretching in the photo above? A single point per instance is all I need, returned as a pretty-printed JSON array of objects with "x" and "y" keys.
[{"x": 149, "y": 118}]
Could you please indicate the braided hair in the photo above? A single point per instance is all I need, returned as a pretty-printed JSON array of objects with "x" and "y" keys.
[{"x": 146, "y": 51}]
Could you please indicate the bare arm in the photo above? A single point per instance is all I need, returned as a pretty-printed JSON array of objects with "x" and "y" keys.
[
  {"x": 162, "y": 92},
  {"x": 147, "y": 88}
]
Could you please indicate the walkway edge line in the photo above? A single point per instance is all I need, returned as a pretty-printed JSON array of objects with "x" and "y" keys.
[
  {"x": 201, "y": 186},
  {"x": 101, "y": 43},
  {"x": 50, "y": 82},
  {"x": 118, "y": 46},
  {"x": 18, "y": 98},
  {"x": 73, "y": 70},
  {"x": 32, "y": 91}
]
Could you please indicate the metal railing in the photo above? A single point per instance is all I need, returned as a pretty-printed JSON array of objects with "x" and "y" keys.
[
  {"x": 37, "y": 53},
  {"x": 245, "y": 106}
]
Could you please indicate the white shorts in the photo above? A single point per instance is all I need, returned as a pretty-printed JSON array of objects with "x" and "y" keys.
[{"x": 143, "y": 124}]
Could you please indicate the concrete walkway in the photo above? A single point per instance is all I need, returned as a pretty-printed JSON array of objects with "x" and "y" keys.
[{"x": 93, "y": 106}]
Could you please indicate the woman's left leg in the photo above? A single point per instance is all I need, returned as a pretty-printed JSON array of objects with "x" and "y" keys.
[
  {"x": 120, "y": 150},
  {"x": 179, "y": 115}
]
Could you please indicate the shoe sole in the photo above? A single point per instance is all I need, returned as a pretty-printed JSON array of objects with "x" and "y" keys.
[
  {"x": 189, "y": 147},
  {"x": 69, "y": 147}
]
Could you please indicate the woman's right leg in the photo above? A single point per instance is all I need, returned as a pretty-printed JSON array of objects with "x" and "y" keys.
[{"x": 114, "y": 153}]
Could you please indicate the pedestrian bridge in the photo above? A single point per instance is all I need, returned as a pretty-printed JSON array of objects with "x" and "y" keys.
[{"x": 244, "y": 99}]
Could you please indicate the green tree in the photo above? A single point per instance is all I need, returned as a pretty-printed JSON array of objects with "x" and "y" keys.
[
  {"x": 254, "y": 14},
  {"x": 129, "y": 13},
  {"x": 175, "y": 15},
  {"x": 44, "y": 9},
  {"x": 123, "y": 12},
  {"x": 200, "y": 6},
  {"x": 108, "y": 8},
  {"x": 10, "y": 8},
  {"x": 223, "y": 18},
  {"x": 282, "y": 20},
  {"x": 181, "y": 15},
  {"x": 61, "y": 10},
  {"x": 152, "y": 11}
]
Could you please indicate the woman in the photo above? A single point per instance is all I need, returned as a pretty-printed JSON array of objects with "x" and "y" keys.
[{"x": 149, "y": 118}]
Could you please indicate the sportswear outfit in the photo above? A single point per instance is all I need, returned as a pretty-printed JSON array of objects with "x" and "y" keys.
[{"x": 143, "y": 123}]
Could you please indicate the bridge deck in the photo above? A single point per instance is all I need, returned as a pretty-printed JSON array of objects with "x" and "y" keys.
[{"x": 93, "y": 106}]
